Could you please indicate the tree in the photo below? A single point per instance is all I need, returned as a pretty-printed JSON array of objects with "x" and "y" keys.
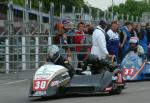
[
  {"x": 131, "y": 7},
  {"x": 57, "y": 5}
]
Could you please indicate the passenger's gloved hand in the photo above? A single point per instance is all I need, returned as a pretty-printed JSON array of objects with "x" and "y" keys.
[
  {"x": 84, "y": 65},
  {"x": 113, "y": 66},
  {"x": 109, "y": 63},
  {"x": 104, "y": 62}
]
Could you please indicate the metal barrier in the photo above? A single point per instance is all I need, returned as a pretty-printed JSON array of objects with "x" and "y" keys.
[
  {"x": 24, "y": 41},
  {"x": 23, "y": 44},
  {"x": 16, "y": 54}
]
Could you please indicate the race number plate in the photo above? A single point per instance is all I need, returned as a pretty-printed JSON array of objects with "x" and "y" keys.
[
  {"x": 129, "y": 72},
  {"x": 40, "y": 85}
]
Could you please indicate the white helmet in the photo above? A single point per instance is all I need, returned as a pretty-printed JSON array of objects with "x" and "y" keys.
[{"x": 134, "y": 40}]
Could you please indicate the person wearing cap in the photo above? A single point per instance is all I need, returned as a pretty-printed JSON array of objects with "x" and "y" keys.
[
  {"x": 134, "y": 46},
  {"x": 99, "y": 41}
]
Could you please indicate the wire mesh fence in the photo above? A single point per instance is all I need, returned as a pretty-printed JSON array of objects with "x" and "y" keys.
[{"x": 25, "y": 35}]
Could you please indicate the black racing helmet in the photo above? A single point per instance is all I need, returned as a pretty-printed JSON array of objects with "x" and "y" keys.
[
  {"x": 53, "y": 53},
  {"x": 91, "y": 59}
]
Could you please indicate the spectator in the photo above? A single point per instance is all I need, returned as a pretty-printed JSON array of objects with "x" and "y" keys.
[
  {"x": 143, "y": 38},
  {"x": 134, "y": 30},
  {"x": 68, "y": 25},
  {"x": 148, "y": 36},
  {"x": 79, "y": 38},
  {"x": 125, "y": 37},
  {"x": 62, "y": 40},
  {"x": 99, "y": 41},
  {"x": 70, "y": 32},
  {"x": 113, "y": 43},
  {"x": 88, "y": 39},
  {"x": 87, "y": 26}
]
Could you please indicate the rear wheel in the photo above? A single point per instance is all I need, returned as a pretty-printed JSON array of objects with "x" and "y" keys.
[{"x": 118, "y": 90}]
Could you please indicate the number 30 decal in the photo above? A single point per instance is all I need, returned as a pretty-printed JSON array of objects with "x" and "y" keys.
[{"x": 40, "y": 84}]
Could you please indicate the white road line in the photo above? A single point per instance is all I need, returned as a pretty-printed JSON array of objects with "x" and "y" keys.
[{"x": 9, "y": 83}]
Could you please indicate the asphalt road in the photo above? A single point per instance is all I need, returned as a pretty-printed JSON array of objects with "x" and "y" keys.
[{"x": 16, "y": 91}]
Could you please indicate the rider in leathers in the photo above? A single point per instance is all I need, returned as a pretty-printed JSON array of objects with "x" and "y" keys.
[{"x": 54, "y": 56}]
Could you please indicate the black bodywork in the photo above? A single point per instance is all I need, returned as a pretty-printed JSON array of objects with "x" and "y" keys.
[{"x": 105, "y": 81}]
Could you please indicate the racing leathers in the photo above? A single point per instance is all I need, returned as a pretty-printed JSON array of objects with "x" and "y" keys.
[
  {"x": 139, "y": 50},
  {"x": 62, "y": 61}
]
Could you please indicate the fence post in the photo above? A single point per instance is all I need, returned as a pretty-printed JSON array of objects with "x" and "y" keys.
[
  {"x": 7, "y": 55},
  {"x": 23, "y": 53},
  {"x": 74, "y": 16},
  {"x": 37, "y": 52},
  {"x": 9, "y": 28},
  {"x": 116, "y": 16},
  {"x": 105, "y": 15},
  {"x": 132, "y": 18},
  {"x": 49, "y": 37},
  {"x": 52, "y": 18},
  {"x": 90, "y": 15},
  {"x": 10, "y": 17},
  {"x": 51, "y": 21},
  {"x": 108, "y": 16},
  {"x": 40, "y": 17},
  {"x": 112, "y": 16},
  {"x": 26, "y": 40},
  {"x": 122, "y": 17},
  {"x": 98, "y": 15},
  {"x": 127, "y": 17},
  {"x": 97, "y": 18},
  {"x": 62, "y": 11},
  {"x": 40, "y": 20},
  {"x": 137, "y": 19},
  {"x": 81, "y": 14}
]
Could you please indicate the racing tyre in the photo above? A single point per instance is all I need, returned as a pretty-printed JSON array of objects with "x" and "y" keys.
[{"x": 118, "y": 90}]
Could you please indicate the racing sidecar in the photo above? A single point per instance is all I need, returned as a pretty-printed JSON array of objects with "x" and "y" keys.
[
  {"x": 135, "y": 67},
  {"x": 51, "y": 80}
]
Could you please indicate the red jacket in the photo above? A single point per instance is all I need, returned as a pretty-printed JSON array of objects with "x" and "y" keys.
[{"x": 79, "y": 40}]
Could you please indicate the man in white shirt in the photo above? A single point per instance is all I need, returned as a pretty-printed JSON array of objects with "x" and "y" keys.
[
  {"x": 99, "y": 50},
  {"x": 99, "y": 41}
]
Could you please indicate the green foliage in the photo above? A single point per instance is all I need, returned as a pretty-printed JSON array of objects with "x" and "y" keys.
[
  {"x": 19, "y": 2},
  {"x": 57, "y": 4},
  {"x": 131, "y": 7},
  {"x": 3, "y": 1}
]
